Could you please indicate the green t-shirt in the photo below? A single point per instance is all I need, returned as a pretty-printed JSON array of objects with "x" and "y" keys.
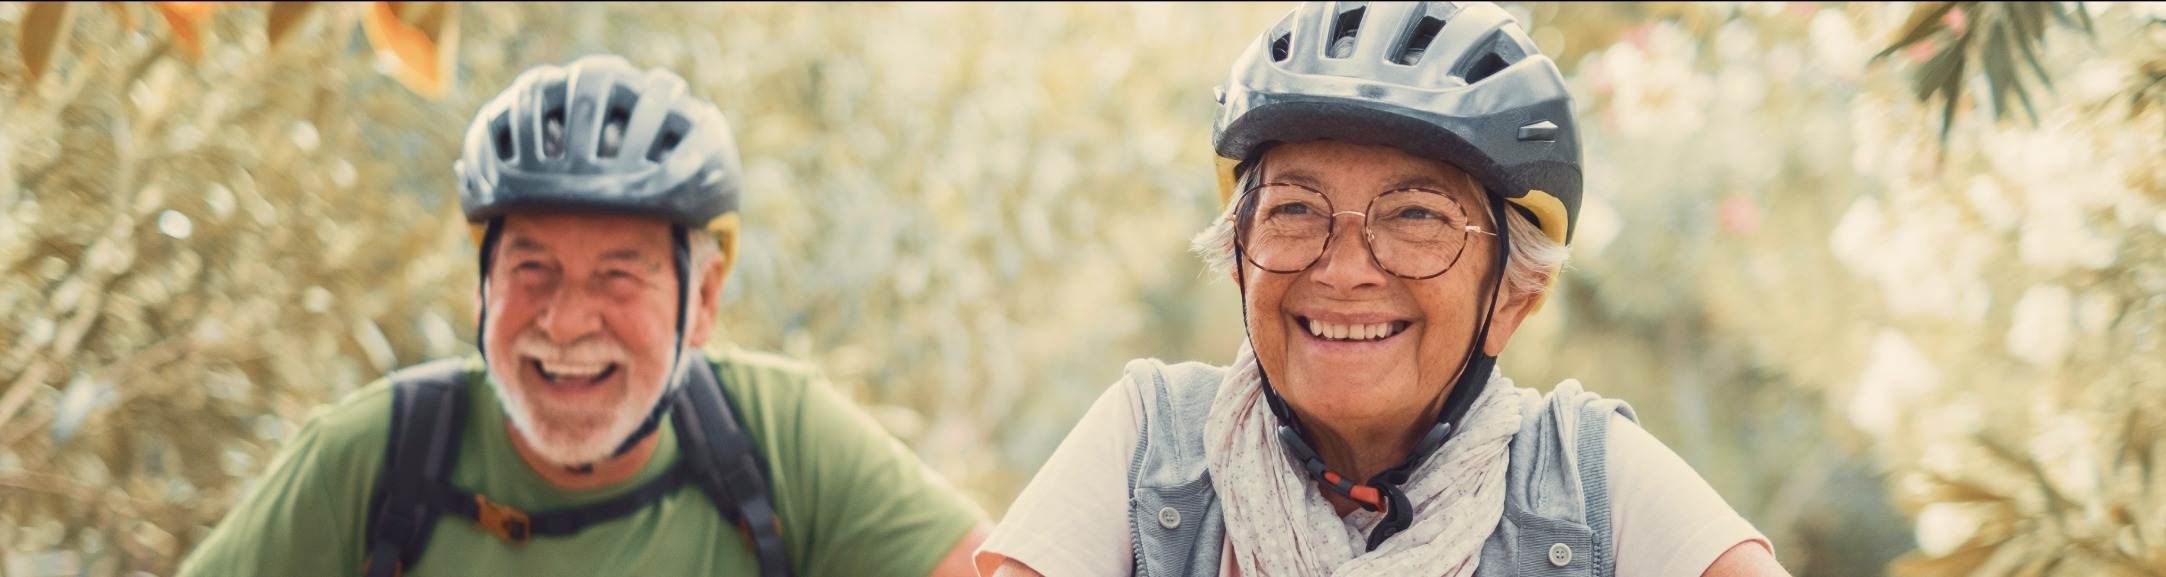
[{"x": 851, "y": 499}]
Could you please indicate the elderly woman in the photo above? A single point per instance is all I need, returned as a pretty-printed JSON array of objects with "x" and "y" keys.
[{"x": 1408, "y": 176}]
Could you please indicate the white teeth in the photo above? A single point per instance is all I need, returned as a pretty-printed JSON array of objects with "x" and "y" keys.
[
  {"x": 573, "y": 371},
  {"x": 1350, "y": 332}
]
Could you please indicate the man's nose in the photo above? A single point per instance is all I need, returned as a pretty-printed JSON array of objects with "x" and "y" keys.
[{"x": 570, "y": 315}]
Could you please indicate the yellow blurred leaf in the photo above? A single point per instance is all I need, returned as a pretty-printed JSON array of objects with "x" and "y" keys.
[
  {"x": 1956, "y": 491},
  {"x": 418, "y": 40},
  {"x": 120, "y": 11},
  {"x": 45, "y": 30},
  {"x": 1962, "y": 562},
  {"x": 284, "y": 17},
  {"x": 186, "y": 19}
]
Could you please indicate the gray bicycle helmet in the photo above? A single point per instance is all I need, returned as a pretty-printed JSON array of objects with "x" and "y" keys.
[
  {"x": 1458, "y": 82},
  {"x": 601, "y": 136},
  {"x": 598, "y": 134}
]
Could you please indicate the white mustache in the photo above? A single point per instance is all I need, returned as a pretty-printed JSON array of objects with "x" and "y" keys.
[{"x": 592, "y": 350}]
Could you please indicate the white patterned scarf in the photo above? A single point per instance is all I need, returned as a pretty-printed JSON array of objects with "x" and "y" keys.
[{"x": 1280, "y": 525}]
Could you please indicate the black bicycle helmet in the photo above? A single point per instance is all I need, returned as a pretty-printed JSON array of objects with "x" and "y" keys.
[
  {"x": 1457, "y": 82},
  {"x": 598, "y": 135}
]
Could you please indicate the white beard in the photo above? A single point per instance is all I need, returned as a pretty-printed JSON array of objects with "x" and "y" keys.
[{"x": 581, "y": 444}]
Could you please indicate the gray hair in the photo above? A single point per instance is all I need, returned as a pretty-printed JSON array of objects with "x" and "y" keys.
[{"x": 1534, "y": 260}]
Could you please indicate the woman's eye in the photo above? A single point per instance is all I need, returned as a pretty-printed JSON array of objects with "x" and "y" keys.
[
  {"x": 1418, "y": 213},
  {"x": 1294, "y": 209}
]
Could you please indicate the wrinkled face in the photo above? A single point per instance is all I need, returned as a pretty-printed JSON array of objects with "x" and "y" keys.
[
  {"x": 582, "y": 317},
  {"x": 1403, "y": 340}
]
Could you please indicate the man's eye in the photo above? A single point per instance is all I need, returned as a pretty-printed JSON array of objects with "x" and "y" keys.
[{"x": 525, "y": 266}]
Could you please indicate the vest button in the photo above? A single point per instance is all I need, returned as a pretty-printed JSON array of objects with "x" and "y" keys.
[
  {"x": 1560, "y": 555},
  {"x": 1169, "y": 518}
]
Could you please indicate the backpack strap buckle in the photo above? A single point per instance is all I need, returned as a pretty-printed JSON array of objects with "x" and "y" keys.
[{"x": 508, "y": 523}]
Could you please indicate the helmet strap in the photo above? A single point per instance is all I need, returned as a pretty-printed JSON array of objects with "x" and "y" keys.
[{"x": 492, "y": 232}]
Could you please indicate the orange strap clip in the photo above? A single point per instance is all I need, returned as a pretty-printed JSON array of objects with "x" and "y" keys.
[{"x": 506, "y": 522}]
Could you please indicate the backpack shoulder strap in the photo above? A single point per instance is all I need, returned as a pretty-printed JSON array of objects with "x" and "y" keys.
[
  {"x": 428, "y": 407},
  {"x": 722, "y": 460}
]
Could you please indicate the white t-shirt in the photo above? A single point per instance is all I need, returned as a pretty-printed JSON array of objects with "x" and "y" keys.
[{"x": 1072, "y": 520}]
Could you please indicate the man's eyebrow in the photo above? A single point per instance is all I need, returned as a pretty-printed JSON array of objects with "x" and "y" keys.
[
  {"x": 635, "y": 256},
  {"x": 526, "y": 243}
]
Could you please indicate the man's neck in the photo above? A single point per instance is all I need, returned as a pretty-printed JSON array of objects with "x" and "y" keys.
[{"x": 600, "y": 474}]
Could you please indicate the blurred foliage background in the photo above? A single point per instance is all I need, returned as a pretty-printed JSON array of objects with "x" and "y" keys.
[{"x": 1887, "y": 275}]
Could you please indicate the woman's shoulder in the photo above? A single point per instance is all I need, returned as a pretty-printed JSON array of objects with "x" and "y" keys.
[{"x": 1177, "y": 392}]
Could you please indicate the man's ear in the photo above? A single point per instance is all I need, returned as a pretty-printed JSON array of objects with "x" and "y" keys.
[{"x": 707, "y": 303}]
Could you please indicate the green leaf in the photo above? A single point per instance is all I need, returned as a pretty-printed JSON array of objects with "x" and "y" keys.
[
  {"x": 1938, "y": 70},
  {"x": 1999, "y": 59},
  {"x": 2029, "y": 20},
  {"x": 1925, "y": 20}
]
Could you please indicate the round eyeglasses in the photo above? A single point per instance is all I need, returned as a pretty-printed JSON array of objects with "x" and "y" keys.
[{"x": 1413, "y": 233}]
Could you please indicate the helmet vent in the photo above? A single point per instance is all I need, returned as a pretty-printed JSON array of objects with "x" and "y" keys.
[
  {"x": 673, "y": 131},
  {"x": 553, "y": 133},
  {"x": 1280, "y": 47},
  {"x": 1417, "y": 43},
  {"x": 1345, "y": 28},
  {"x": 619, "y": 115},
  {"x": 500, "y": 131},
  {"x": 1490, "y": 64}
]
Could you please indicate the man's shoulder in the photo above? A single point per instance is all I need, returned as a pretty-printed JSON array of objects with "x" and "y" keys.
[
  {"x": 763, "y": 382},
  {"x": 761, "y": 367}
]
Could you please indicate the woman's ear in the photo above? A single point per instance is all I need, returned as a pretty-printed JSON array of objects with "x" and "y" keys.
[
  {"x": 1505, "y": 319},
  {"x": 1513, "y": 310}
]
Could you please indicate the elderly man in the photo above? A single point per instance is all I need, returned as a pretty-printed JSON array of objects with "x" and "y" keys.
[
  {"x": 1400, "y": 181},
  {"x": 592, "y": 436}
]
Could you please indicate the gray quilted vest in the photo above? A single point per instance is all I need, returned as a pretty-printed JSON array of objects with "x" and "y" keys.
[{"x": 1556, "y": 500}]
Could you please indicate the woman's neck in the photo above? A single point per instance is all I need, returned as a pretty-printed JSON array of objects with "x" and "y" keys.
[{"x": 1360, "y": 449}]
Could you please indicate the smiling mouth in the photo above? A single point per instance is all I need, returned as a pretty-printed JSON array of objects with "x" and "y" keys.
[
  {"x": 1353, "y": 332},
  {"x": 573, "y": 375}
]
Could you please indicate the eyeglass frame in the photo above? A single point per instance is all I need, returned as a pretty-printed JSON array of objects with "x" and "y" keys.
[{"x": 1243, "y": 213}]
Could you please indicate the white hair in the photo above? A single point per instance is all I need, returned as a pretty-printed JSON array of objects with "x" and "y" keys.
[
  {"x": 705, "y": 247},
  {"x": 1534, "y": 259}
]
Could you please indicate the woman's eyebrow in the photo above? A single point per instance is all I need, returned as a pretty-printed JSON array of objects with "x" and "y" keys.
[
  {"x": 1295, "y": 176},
  {"x": 1428, "y": 182}
]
